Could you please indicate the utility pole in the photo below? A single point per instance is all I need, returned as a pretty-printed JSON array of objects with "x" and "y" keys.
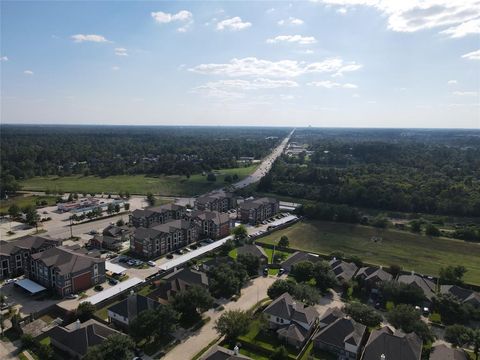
[{"x": 71, "y": 228}]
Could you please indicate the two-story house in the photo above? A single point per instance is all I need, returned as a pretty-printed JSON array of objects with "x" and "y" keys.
[
  {"x": 292, "y": 320},
  {"x": 124, "y": 312}
]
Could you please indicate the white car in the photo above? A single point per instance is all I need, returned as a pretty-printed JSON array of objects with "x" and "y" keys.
[
  {"x": 71, "y": 296},
  {"x": 151, "y": 263}
]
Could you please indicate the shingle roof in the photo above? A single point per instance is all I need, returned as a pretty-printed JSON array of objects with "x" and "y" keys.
[
  {"x": 341, "y": 331},
  {"x": 66, "y": 260},
  {"x": 25, "y": 242},
  {"x": 287, "y": 308},
  {"x": 331, "y": 315},
  {"x": 254, "y": 204},
  {"x": 89, "y": 334},
  {"x": 342, "y": 269},
  {"x": 252, "y": 249},
  {"x": 298, "y": 256},
  {"x": 133, "y": 305},
  {"x": 293, "y": 331},
  {"x": 373, "y": 273},
  {"x": 395, "y": 346},
  {"x": 427, "y": 286},
  {"x": 189, "y": 276},
  {"x": 462, "y": 294},
  {"x": 443, "y": 352},
  {"x": 173, "y": 225},
  {"x": 217, "y": 217},
  {"x": 220, "y": 353}
]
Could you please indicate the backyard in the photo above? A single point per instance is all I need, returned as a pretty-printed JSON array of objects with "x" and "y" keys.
[
  {"x": 422, "y": 254},
  {"x": 173, "y": 185}
]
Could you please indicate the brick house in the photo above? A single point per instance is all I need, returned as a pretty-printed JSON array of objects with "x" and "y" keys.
[
  {"x": 164, "y": 238},
  {"x": 66, "y": 270},
  {"x": 213, "y": 224},
  {"x": 15, "y": 255},
  {"x": 258, "y": 210},
  {"x": 216, "y": 201},
  {"x": 156, "y": 215}
]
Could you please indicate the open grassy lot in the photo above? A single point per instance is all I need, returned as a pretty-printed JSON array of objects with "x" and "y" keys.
[
  {"x": 174, "y": 185},
  {"x": 24, "y": 201},
  {"x": 414, "y": 252}
]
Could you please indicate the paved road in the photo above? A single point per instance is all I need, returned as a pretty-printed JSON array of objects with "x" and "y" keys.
[
  {"x": 265, "y": 166},
  {"x": 251, "y": 294}
]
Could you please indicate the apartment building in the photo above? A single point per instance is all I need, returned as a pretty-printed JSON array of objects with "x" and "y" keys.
[
  {"x": 156, "y": 215},
  {"x": 258, "y": 210},
  {"x": 216, "y": 201},
  {"x": 213, "y": 224}
]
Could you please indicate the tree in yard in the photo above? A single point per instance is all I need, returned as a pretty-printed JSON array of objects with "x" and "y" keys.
[
  {"x": 13, "y": 211},
  {"x": 458, "y": 335},
  {"x": 451, "y": 309},
  {"x": 228, "y": 179},
  {"x": 306, "y": 294},
  {"x": 432, "y": 230},
  {"x": 150, "y": 199},
  {"x": 475, "y": 341},
  {"x": 280, "y": 353},
  {"x": 401, "y": 293},
  {"x": 394, "y": 269},
  {"x": 143, "y": 326},
  {"x": 279, "y": 287},
  {"x": 452, "y": 275},
  {"x": 192, "y": 302},
  {"x": 226, "y": 281},
  {"x": 85, "y": 311},
  {"x": 235, "y": 177},
  {"x": 302, "y": 271},
  {"x": 232, "y": 324},
  {"x": 110, "y": 209},
  {"x": 120, "y": 222},
  {"x": 240, "y": 233},
  {"x": 228, "y": 246},
  {"x": 211, "y": 177},
  {"x": 406, "y": 318},
  {"x": 283, "y": 242},
  {"x": 324, "y": 276},
  {"x": 363, "y": 314},
  {"x": 117, "y": 346},
  {"x": 250, "y": 262},
  {"x": 117, "y": 208},
  {"x": 415, "y": 226},
  {"x": 167, "y": 319}
]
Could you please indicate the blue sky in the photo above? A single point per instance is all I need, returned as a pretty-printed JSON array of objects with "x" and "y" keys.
[{"x": 349, "y": 63}]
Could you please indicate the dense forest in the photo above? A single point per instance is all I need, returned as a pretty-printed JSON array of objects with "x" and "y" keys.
[
  {"x": 425, "y": 171},
  {"x": 28, "y": 151}
]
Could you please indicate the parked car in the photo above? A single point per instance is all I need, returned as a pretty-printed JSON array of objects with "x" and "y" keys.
[
  {"x": 281, "y": 271},
  {"x": 93, "y": 232},
  {"x": 112, "y": 281},
  {"x": 265, "y": 271},
  {"x": 169, "y": 256},
  {"x": 71, "y": 296},
  {"x": 131, "y": 262},
  {"x": 179, "y": 252},
  {"x": 98, "y": 288},
  {"x": 151, "y": 263}
]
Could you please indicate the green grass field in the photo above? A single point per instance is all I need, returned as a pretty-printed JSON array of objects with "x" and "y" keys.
[
  {"x": 24, "y": 201},
  {"x": 422, "y": 254},
  {"x": 174, "y": 185}
]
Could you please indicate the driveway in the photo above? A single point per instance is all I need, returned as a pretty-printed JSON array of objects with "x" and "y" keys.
[{"x": 192, "y": 344}]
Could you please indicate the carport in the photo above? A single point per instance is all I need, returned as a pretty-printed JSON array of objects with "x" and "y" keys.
[
  {"x": 114, "y": 268},
  {"x": 30, "y": 286}
]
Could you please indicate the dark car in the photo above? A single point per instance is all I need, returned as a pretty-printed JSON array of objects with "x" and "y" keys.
[
  {"x": 169, "y": 256},
  {"x": 265, "y": 271},
  {"x": 112, "y": 281}
]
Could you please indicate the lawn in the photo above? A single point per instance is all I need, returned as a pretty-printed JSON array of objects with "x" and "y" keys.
[
  {"x": 422, "y": 254},
  {"x": 174, "y": 185},
  {"x": 102, "y": 313},
  {"x": 24, "y": 201}
]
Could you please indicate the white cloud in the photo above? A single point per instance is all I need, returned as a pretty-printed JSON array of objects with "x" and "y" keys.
[
  {"x": 121, "y": 52},
  {"x": 165, "y": 18},
  {"x": 269, "y": 11},
  {"x": 234, "y": 24},
  {"x": 342, "y": 10},
  {"x": 299, "y": 39},
  {"x": 356, "y": 95},
  {"x": 28, "y": 72},
  {"x": 415, "y": 15},
  {"x": 327, "y": 84},
  {"x": 115, "y": 68},
  {"x": 3, "y": 58},
  {"x": 290, "y": 21},
  {"x": 89, "y": 38},
  {"x": 452, "y": 82},
  {"x": 251, "y": 66},
  {"x": 464, "y": 29},
  {"x": 474, "y": 55},
  {"x": 306, "y": 51},
  {"x": 465, "y": 93}
]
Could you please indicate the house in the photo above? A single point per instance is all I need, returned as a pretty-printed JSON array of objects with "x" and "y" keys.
[
  {"x": 343, "y": 270},
  {"x": 394, "y": 345},
  {"x": 76, "y": 338},
  {"x": 465, "y": 296},
  {"x": 254, "y": 250},
  {"x": 15, "y": 254},
  {"x": 105, "y": 242},
  {"x": 343, "y": 337},
  {"x": 258, "y": 210},
  {"x": 297, "y": 257},
  {"x": 178, "y": 281},
  {"x": 330, "y": 316},
  {"x": 216, "y": 201},
  {"x": 292, "y": 320},
  {"x": 123, "y": 313},
  {"x": 443, "y": 352},
  {"x": 66, "y": 270},
  {"x": 372, "y": 275},
  {"x": 220, "y": 353},
  {"x": 156, "y": 215},
  {"x": 114, "y": 231},
  {"x": 164, "y": 238},
  {"x": 216, "y": 261},
  {"x": 426, "y": 285},
  {"x": 213, "y": 224}
]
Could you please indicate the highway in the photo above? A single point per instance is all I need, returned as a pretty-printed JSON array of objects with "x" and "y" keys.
[{"x": 265, "y": 166}]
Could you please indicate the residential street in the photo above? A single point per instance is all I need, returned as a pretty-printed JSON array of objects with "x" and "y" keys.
[{"x": 251, "y": 294}]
